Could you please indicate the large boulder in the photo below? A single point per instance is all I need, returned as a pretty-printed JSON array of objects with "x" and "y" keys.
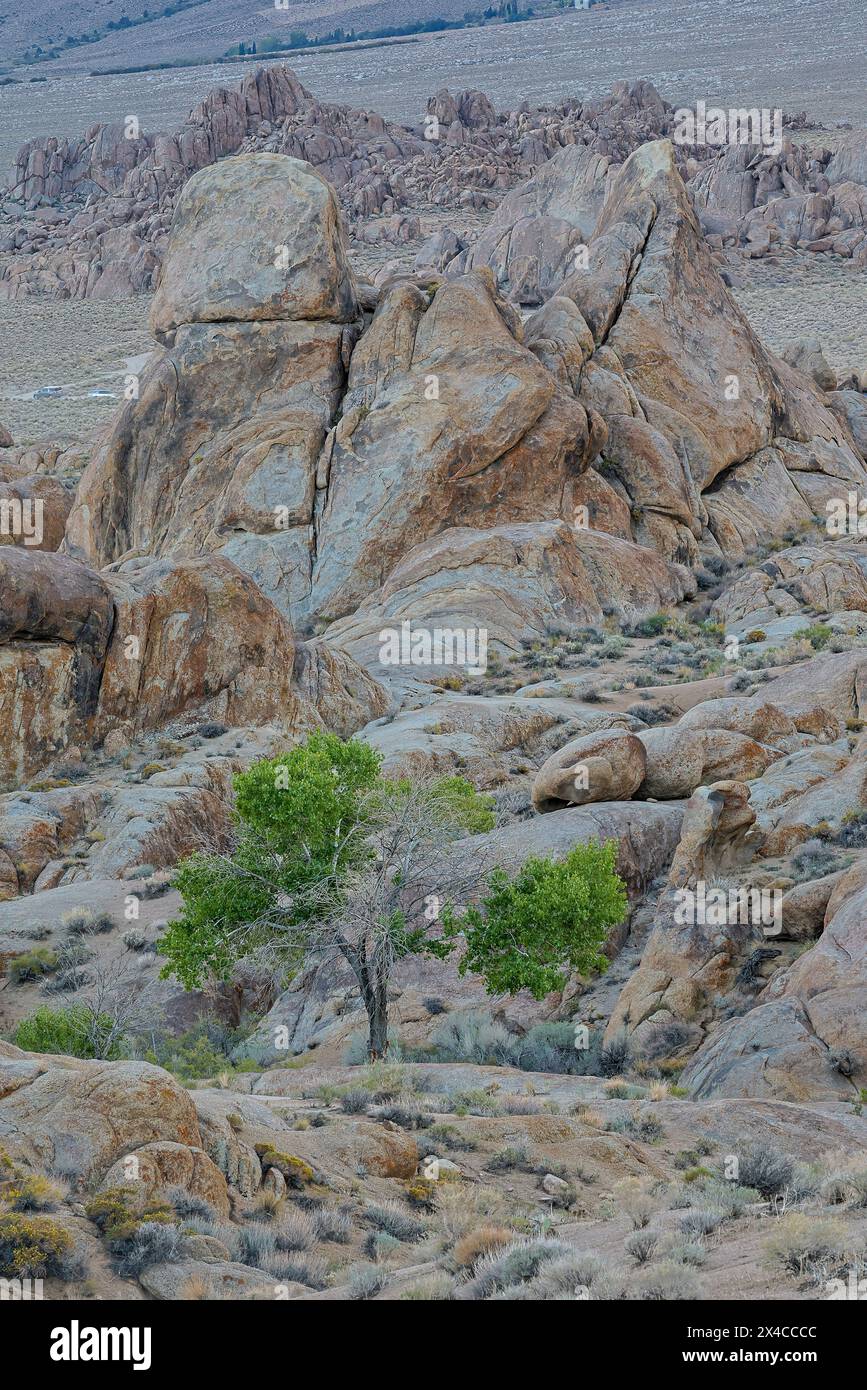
[
  {"x": 807, "y": 1039},
  {"x": 680, "y": 759},
  {"x": 714, "y": 431},
  {"x": 56, "y": 618},
  {"x": 773, "y": 1051},
  {"x": 255, "y": 237},
  {"x": 165, "y": 1163},
  {"x": 219, "y": 450},
  {"x": 345, "y": 696},
  {"x": 605, "y": 766},
  {"x": 835, "y": 682},
  {"x": 150, "y": 642},
  {"x": 195, "y": 636},
  {"x": 46, "y": 597},
  {"x": 849, "y": 163},
  {"x": 831, "y": 800},
  {"x": 446, "y": 419},
  {"x": 33, "y": 509},
  {"x": 752, "y": 716},
  {"x": 689, "y": 960},
  {"x": 827, "y": 579},
  {"x": 477, "y": 736},
  {"x": 80, "y": 1117},
  {"x": 808, "y": 356},
  {"x": 219, "y": 453}
]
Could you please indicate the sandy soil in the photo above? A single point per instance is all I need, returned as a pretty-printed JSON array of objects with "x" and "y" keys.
[
  {"x": 82, "y": 346},
  {"x": 805, "y": 295}
]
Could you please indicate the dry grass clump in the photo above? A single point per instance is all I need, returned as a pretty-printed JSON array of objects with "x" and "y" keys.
[
  {"x": 460, "y": 1211},
  {"x": 634, "y": 1200},
  {"x": 799, "y": 1241},
  {"x": 481, "y": 1241}
]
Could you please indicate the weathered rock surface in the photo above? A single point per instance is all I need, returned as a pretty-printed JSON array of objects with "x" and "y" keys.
[
  {"x": 684, "y": 446},
  {"x": 827, "y": 579},
  {"x": 345, "y": 696},
  {"x": 165, "y": 1163},
  {"x": 254, "y": 238},
  {"x": 219, "y": 452},
  {"x": 810, "y": 1013},
  {"x": 836, "y": 682},
  {"x": 687, "y": 960},
  {"x": 680, "y": 759},
  {"x": 514, "y": 582},
  {"x": 606, "y": 766},
  {"x": 195, "y": 636},
  {"x": 33, "y": 509},
  {"x": 444, "y": 414},
  {"x": 81, "y": 1116},
  {"x": 531, "y": 239},
  {"x": 56, "y": 617}
]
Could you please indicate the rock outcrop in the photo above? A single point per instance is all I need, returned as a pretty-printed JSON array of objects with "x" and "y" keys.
[
  {"x": 689, "y": 957},
  {"x": 711, "y": 437},
  {"x": 219, "y": 452},
  {"x": 608, "y": 766},
  {"x": 56, "y": 619},
  {"x": 87, "y": 656},
  {"x": 806, "y": 1040},
  {"x": 530, "y": 242},
  {"x": 81, "y": 1117}
]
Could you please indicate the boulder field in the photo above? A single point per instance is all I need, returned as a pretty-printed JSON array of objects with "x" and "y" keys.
[{"x": 560, "y": 444}]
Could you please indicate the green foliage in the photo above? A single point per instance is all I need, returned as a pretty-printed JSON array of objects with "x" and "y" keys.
[
  {"x": 32, "y": 965},
  {"x": 651, "y": 626},
  {"x": 294, "y": 813},
  {"x": 817, "y": 634},
  {"x": 299, "y": 800},
  {"x": 32, "y": 1246},
  {"x": 464, "y": 807},
  {"x": 74, "y": 1031},
  {"x": 550, "y": 919},
  {"x": 201, "y": 1051},
  {"x": 33, "y": 1192},
  {"x": 304, "y": 822}
]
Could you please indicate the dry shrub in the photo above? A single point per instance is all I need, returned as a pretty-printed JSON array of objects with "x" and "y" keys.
[
  {"x": 472, "y": 1246},
  {"x": 460, "y": 1211}
]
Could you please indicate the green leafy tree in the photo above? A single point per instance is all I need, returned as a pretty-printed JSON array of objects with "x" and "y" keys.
[
  {"x": 530, "y": 931},
  {"x": 328, "y": 855}
]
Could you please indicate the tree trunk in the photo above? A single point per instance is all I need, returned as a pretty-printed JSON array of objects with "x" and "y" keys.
[
  {"x": 377, "y": 1015},
  {"x": 373, "y": 983}
]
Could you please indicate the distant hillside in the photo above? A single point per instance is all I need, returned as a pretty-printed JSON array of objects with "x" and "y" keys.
[{"x": 84, "y": 34}]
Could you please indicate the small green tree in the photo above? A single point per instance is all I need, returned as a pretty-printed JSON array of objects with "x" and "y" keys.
[
  {"x": 530, "y": 931},
  {"x": 328, "y": 855}
]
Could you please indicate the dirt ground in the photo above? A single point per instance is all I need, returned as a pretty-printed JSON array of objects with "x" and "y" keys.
[
  {"x": 802, "y": 295},
  {"x": 82, "y": 346}
]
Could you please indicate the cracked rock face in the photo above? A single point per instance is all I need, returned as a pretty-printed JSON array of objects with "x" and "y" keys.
[
  {"x": 783, "y": 1047},
  {"x": 56, "y": 618},
  {"x": 710, "y": 414}
]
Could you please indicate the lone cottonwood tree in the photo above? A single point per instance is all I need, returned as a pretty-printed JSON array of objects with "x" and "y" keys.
[{"x": 328, "y": 855}]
